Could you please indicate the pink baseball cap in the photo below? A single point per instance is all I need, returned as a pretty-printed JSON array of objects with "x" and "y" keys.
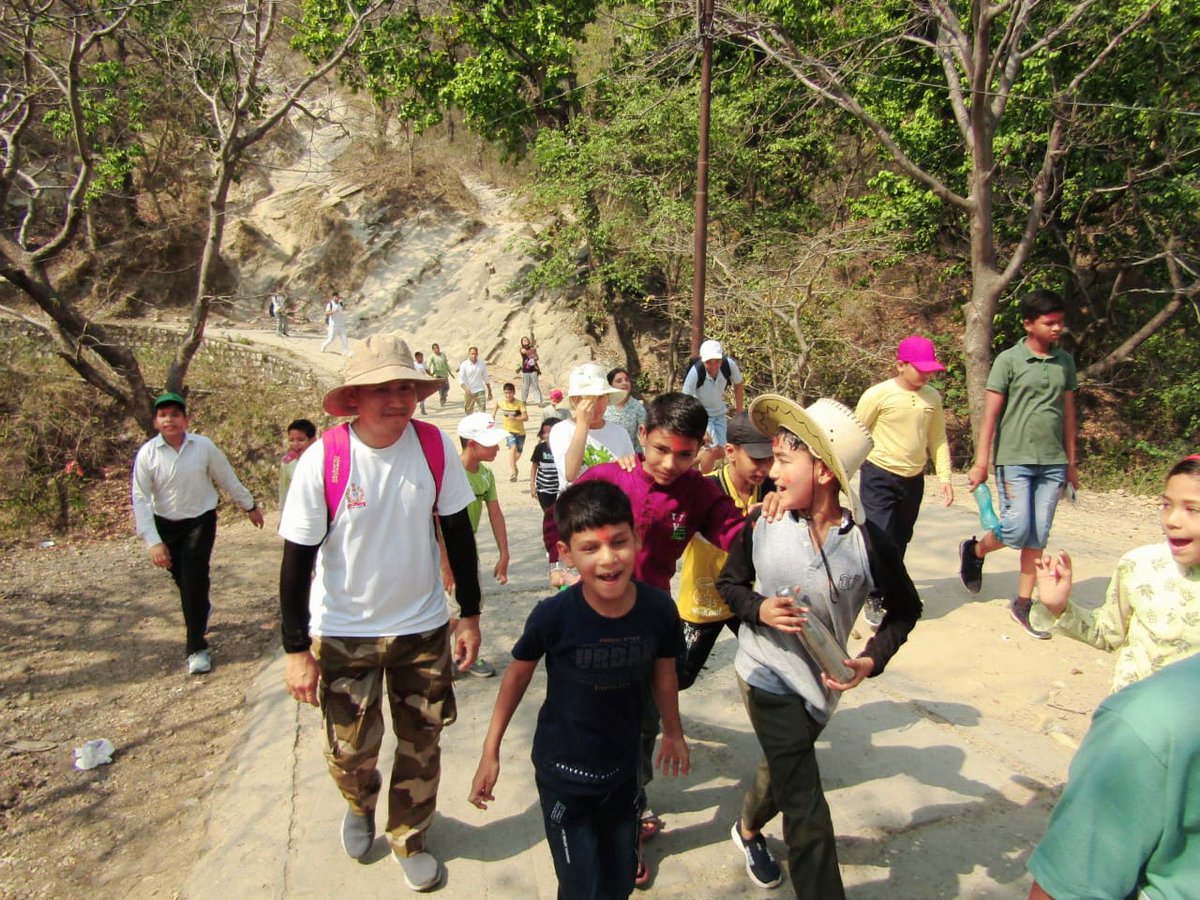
[
  {"x": 556, "y": 396},
  {"x": 918, "y": 352}
]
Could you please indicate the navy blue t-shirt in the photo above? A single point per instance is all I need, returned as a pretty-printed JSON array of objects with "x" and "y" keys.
[{"x": 598, "y": 671}]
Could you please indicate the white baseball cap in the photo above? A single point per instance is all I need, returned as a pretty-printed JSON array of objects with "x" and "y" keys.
[
  {"x": 711, "y": 350},
  {"x": 482, "y": 429}
]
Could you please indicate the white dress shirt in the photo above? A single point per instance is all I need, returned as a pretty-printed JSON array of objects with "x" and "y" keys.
[
  {"x": 473, "y": 375},
  {"x": 181, "y": 484}
]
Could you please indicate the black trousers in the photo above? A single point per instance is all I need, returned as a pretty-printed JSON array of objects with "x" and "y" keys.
[
  {"x": 891, "y": 502},
  {"x": 190, "y": 542}
]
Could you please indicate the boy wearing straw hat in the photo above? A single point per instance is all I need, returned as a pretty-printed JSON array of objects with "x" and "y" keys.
[
  {"x": 375, "y": 604},
  {"x": 819, "y": 561}
]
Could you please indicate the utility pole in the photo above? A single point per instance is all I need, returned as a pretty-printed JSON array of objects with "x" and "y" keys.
[{"x": 700, "y": 253}]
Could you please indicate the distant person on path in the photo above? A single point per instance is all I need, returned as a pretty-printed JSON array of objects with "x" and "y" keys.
[
  {"x": 1151, "y": 613},
  {"x": 1125, "y": 825},
  {"x": 707, "y": 380},
  {"x": 626, "y": 410},
  {"x": 335, "y": 321},
  {"x": 174, "y": 490},
  {"x": 554, "y": 408},
  {"x": 365, "y": 508},
  {"x": 905, "y": 417},
  {"x": 609, "y": 643},
  {"x": 1029, "y": 415},
  {"x": 473, "y": 378},
  {"x": 480, "y": 437},
  {"x": 439, "y": 368},
  {"x": 543, "y": 475},
  {"x": 512, "y": 415},
  {"x": 419, "y": 365},
  {"x": 703, "y": 613},
  {"x": 281, "y": 310},
  {"x": 300, "y": 436},
  {"x": 529, "y": 371},
  {"x": 829, "y": 559}
]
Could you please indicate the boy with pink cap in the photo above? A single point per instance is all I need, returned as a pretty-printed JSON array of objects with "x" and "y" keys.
[{"x": 905, "y": 417}]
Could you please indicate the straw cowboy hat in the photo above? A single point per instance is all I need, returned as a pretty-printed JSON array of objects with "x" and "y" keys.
[
  {"x": 591, "y": 380},
  {"x": 377, "y": 360},
  {"x": 830, "y": 430}
]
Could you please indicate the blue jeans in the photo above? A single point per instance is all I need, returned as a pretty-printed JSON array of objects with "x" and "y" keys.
[
  {"x": 593, "y": 840},
  {"x": 718, "y": 427},
  {"x": 1028, "y": 498}
]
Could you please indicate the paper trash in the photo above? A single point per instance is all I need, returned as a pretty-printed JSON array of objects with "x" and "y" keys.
[{"x": 94, "y": 753}]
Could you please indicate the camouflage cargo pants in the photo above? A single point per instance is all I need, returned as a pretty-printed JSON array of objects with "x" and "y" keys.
[{"x": 416, "y": 671}]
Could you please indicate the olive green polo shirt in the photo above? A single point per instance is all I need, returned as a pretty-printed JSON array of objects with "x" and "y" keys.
[{"x": 1030, "y": 430}]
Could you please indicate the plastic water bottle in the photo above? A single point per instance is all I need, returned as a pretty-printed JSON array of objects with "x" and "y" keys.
[{"x": 987, "y": 512}]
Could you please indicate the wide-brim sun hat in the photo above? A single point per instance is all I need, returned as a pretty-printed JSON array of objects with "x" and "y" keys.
[
  {"x": 591, "y": 380},
  {"x": 377, "y": 360},
  {"x": 830, "y": 430}
]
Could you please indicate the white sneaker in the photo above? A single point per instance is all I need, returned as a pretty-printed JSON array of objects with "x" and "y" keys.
[
  {"x": 199, "y": 663},
  {"x": 422, "y": 871}
]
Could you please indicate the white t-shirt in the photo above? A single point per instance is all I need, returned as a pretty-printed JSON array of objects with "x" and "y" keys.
[
  {"x": 473, "y": 375},
  {"x": 604, "y": 444},
  {"x": 337, "y": 314},
  {"x": 378, "y": 572},
  {"x": 712, "y": 392}
]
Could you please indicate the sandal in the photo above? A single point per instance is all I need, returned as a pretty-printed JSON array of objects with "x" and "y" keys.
[
  {"x": 641, "y": 877},
  {"x": 650, "y": 825}
]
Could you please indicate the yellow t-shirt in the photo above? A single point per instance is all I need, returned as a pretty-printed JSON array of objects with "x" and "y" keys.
[
  {"x": 908, "y": 427},
  {"x": 511, "y": 423},
  {"x": 698, "y": 599}
]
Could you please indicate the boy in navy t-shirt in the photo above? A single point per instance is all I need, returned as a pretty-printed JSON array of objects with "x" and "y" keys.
[{"x": 604, "y": 640}]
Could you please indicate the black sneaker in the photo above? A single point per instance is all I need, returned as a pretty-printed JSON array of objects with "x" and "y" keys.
[
  {"x": 873, "y": 611},
  {"x": 760, "y": 864},
  {"x": 358, "y": 833},
  {"x": 970, "y": 566},
  {"x": 1019, "y": 610}
]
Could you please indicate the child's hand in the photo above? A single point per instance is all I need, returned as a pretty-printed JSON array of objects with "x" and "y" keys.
[
  {"x": 782, "y": 615},
  {"x": 484, "y": 782},
  {"x": 501, "y": 570},
  {"x": 627, "y": 463},
  {"x": 948, "y": 494},
  {"x": 160, "y": 556},
  {"x": 673, "y": 756},
  {"x": 772, "y": 510},
  {"x": 862, "y": 667},
  {"x": 1054, "y": 579}
]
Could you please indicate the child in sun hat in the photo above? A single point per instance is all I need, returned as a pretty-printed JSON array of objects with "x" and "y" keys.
[{"x": 828, "y": 560}]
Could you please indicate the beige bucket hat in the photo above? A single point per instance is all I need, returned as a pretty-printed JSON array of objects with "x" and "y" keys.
[
  {"x": 830, "y": 430},
  {"x": 591, "y": 380},
  {"x": 377, "y": 360}
]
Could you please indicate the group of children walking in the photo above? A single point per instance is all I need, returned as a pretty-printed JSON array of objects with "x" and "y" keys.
[{"x": 783, "y": 548}]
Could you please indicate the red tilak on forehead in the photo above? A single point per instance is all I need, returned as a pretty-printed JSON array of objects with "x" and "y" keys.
[
  {"x": 603, "y": 534},
  {"x": 681, "y": 444}
]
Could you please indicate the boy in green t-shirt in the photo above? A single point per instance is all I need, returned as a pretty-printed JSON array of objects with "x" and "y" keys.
[
  {"x": 1029, "y": 423},
  {"x": 480, "y": 437}
]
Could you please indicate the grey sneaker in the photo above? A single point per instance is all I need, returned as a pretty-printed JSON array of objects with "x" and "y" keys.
[
  {"x": 1019, "y": 610},
  {"x": 422, "y": 871},
  {"x": 760, "y": 864},
  {"x": 970, "y": 566},
  {"x": 358, "y": 833},
  {"x": 873, "y": 611},
  {"x": 199, "y": 663},
  {"x": 481, "y": 668}
]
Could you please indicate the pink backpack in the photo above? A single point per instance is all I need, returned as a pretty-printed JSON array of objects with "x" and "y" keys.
[{"x": 336, "y": 442}]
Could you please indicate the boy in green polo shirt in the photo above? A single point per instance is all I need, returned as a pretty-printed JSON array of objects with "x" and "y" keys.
[{"x": 1029, "y": 422}]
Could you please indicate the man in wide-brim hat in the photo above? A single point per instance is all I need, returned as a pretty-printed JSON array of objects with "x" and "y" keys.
[{"x": 374, "y": 605}]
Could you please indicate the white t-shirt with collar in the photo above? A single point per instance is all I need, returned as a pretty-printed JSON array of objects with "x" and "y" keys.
[{"x": 378, "y": 571}]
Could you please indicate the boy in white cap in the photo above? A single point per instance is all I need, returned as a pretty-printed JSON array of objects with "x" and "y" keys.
[
  {"x": 905, "y": 417},
  {"x": 827, "y": 562},
  {"x": 362, "y": 598},
  {"x": 707, "y": 380},
  {"x": 480, "y": 437}
]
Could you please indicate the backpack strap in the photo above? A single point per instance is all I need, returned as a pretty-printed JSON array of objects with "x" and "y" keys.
[
  {"x": 702, "y": 373},
  {"x": 336, "y": 443},
  {"x": 434, "y": 449}
]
